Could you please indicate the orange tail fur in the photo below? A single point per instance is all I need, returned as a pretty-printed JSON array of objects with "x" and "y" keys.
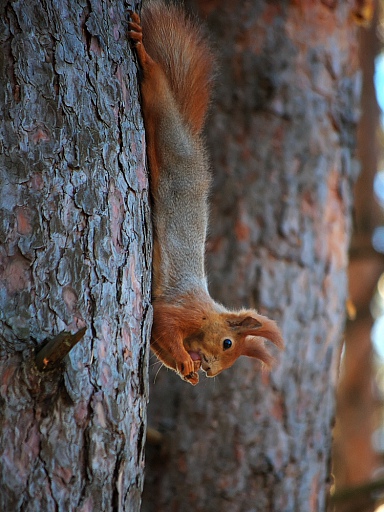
[{"x": 179, "y": 46}]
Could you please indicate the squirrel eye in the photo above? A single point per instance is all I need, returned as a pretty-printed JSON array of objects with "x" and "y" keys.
[{"x": 227, "y": 344}]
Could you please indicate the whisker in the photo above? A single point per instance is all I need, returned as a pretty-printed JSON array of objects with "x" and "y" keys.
[{"x": 157, "y": 373}]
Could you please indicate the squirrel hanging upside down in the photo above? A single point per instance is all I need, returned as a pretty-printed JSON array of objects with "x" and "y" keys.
[{"x": 190, "y": 330}]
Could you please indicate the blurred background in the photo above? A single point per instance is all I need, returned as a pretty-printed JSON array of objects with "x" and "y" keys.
[
  {"x": 281, "y": 138},
  {"x": 358, "y": 454}
]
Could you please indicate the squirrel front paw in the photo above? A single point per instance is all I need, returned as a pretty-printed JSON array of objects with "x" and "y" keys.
[
  {"x": 187, "y": 369},
  {"x": 185, "y": 365},
  {"x": 193, "y": 377}
]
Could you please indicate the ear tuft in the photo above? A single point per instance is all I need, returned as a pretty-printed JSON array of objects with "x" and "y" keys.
[
  {"x": 255, "y": 347},
  {"x": 269, "y": 331},
  {"x": 250, "y": 329}
]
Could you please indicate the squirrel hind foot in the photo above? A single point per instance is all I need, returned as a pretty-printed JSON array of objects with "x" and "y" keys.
[{"x": 135, "y": 31}]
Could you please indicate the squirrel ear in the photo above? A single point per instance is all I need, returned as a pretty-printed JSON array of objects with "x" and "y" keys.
[
  {"x": 255, "y": 327},
  {"x": 245, "y": 322},
  {"x": 250, "y": 323}
]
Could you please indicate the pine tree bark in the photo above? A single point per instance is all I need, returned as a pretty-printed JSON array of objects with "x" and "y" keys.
[
  {"x": 75, "y": 253},
  {"x": 281, "y": 138}
]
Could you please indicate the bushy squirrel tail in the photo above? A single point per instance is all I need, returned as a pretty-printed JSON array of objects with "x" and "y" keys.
[{"x": 177, "y": 43}]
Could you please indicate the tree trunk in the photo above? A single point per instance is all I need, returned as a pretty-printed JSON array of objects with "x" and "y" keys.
[
  {"x": 281, "y": 138},
  {"x": 359, "y": 411},
  {"x": 75, "y": 253}
]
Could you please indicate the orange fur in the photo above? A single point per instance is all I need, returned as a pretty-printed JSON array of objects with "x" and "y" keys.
[
  {"x": 177, "y": 44},
  {"x": 190, "y": 330},
  {"x": 197, "y": 324}
]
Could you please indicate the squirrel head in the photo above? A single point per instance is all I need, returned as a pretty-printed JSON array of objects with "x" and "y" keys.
[
  {"x": 225, "y": 336},
  {"x": 213, "y": 337}
]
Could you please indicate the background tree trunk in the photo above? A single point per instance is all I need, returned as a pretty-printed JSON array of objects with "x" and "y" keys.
[
  {"x": 282, "y": 139},
  {"x": 75, "y": 252},
  {"x": 357, "y": 408}
]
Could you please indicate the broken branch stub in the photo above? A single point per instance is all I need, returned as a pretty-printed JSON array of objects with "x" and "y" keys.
[{"x": 53, "y": 352}]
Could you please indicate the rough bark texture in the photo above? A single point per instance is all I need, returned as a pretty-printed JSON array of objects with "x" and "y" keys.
[
  {"x": 75, "y": 252},
  {"x": 281, "y": 138}
]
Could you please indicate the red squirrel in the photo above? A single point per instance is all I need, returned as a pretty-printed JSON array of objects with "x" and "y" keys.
[{"x": 190, "y": 330}]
